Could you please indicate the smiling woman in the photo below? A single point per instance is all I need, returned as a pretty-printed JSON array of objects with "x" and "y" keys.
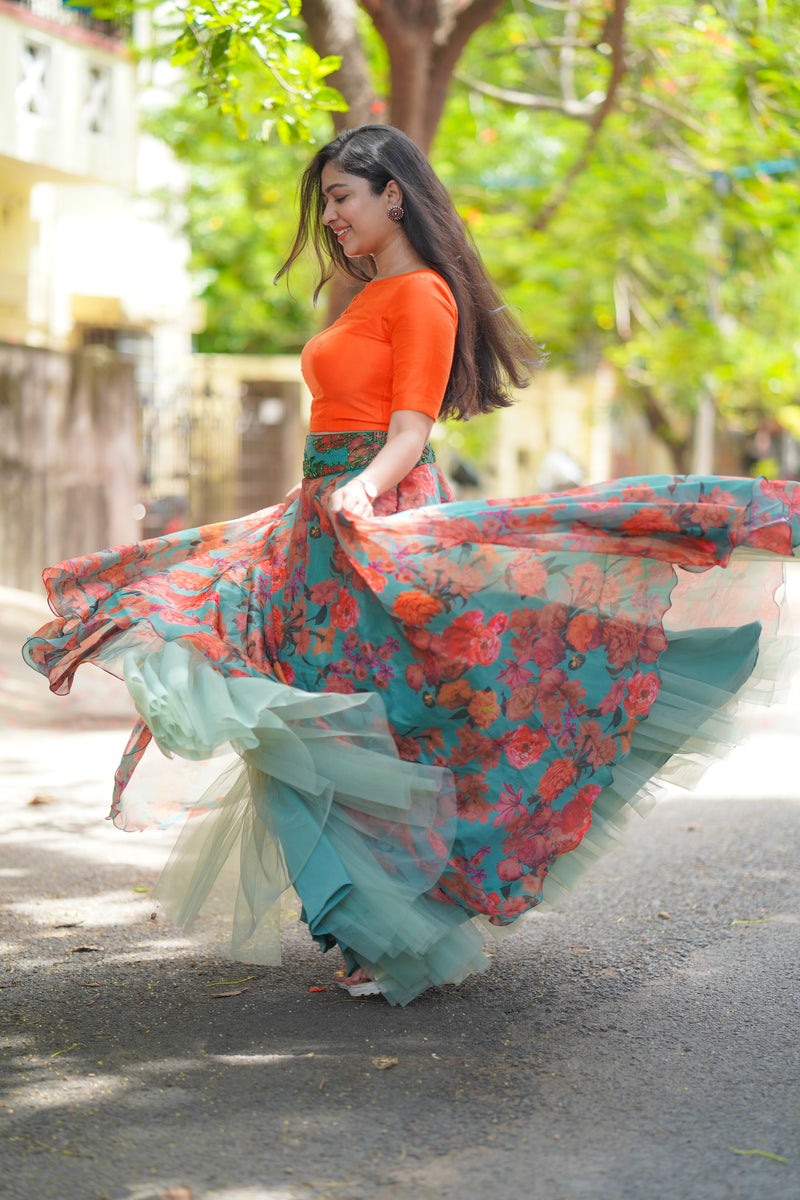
[
  {"x": 441, "y": 708},
  {"x": 357, "y": 217}
]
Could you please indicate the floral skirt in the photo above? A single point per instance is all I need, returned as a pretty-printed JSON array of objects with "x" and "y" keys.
[{"x": 438, "y": 713}]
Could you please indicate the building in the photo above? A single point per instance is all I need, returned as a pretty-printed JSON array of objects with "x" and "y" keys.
[{"x": 89, "y": 270}]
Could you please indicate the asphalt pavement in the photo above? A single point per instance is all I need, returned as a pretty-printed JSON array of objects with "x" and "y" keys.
[{"x": 640, "y": 1041}]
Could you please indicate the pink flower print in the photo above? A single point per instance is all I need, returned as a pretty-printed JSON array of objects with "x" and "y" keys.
[{"x": 508, "y": 806}]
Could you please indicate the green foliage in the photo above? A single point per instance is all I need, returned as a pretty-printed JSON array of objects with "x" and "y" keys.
[
  {"x": 238, "y": 212},
  {"x": 245, "y": 57},
  {"x": 674, "y": 251}
]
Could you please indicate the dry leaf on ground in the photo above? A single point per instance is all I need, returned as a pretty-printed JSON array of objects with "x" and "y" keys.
[{"x": 384, "y": 1061}]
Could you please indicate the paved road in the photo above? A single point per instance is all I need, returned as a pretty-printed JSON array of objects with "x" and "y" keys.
[{"x": 639, "y": 1042}]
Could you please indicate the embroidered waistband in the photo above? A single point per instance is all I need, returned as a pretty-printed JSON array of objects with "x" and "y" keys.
[{"x": 333, "y": 453}]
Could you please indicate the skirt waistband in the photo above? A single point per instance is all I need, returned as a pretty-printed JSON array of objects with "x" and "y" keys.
[{"x": 333, "y": 453}]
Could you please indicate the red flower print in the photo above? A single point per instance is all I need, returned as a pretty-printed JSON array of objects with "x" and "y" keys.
[
  {"x": 302, "y": 640},
  {"x": 526, "y": 746},
  {"x": 573, "y": 820},
  {"x": 557, "y": 778},
  {"x": 527, "y": 843},
  {"x": 416, "y": 607},
  {"x": 613, "y": 698},
  {"x": 278, "y": 572},
  {"x": 553, "y": 680},
  {"x": 522, "y": 702},
  {"x": 456, "y": 694},
  {"x": 528, "y": 575},
  {"x": 408, "y": 748},
  {"x": 514, "y": 907},
  {"x": 438, "y": 844},
  {"x": 415, "y": 676},
  {"x": 584, "y": 632},
  {"x": 484, "y": 709},
  {"x": 513, "y": 674},
  {"x": 777, "y": 538},
  {"x": 285, "y": 672},
  {"x": 597, "y": 747},
  {"x": 460, "y": 580},
  {"x": 277, "y": 624},
  {"x": 621, "y": 639},
  {"x": 472, "y": 802},
  {"x": 522, "y": 645},
  {"x": 509, "y": 869},
  {"x": 344, "y": 613},
  {"x": 624, "y": 641},
  {"x": 642, "y": 691},
  {"x": 324, "y": 592},
  {"x": 474, "y": 747},
  {"x": 586, "y": 582},
  {"x": 649, "y": 521},
  {"x": 553, "y": 618},
  {"x": 653, "y": 643},
  {"x": 523, "y": 619},
  {"x": 188, "y": 581},
  {"x": 210, "y": 645},
  {"x": 372, "y": 577},
  {"x": 339, "y": 683},
  {"x": 548, "y": 650},
  {"x": 467, "y": 639}
]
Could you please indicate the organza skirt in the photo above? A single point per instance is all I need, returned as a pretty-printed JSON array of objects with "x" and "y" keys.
[{"x": 439, "y": 714}]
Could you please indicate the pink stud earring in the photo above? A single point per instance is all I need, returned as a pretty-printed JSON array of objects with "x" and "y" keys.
[{"x": 395, "y": 212}]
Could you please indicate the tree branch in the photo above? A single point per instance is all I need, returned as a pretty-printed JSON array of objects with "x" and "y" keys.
[
  {"x": 615, "y": 36},
  {"x": 456, "y": 27},
  {"x": 581, "y": 110}
]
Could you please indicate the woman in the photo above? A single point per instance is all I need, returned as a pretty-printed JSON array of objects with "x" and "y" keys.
[{"x": 439, "y": 708}]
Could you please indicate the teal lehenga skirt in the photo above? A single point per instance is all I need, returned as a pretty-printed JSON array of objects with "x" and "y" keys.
[{"x": 438, "y": 714}]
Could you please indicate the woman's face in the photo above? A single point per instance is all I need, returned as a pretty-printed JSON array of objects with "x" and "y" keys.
[{"x": 355, "y": 214}]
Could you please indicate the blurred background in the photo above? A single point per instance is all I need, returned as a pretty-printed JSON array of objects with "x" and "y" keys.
[{"x": 629, "y": 171}]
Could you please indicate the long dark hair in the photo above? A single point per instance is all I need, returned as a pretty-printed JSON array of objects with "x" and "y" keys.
[{"x": 493, "y": 353}]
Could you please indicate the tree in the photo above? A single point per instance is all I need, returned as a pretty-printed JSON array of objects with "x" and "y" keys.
[
  {"x": 605, "y": 156},
  {"x": 670, "y": 252}
]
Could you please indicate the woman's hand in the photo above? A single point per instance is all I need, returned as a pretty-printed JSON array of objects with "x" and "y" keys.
[{"x": 352, "y": 498}]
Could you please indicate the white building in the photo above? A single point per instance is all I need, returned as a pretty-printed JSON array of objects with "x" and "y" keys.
[{"x": 84, "y": 255}]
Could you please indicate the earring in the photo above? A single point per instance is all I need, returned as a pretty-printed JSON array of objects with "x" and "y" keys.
[{"x": 395, "y": 212}]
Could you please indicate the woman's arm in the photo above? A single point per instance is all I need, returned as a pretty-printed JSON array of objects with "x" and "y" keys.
[{"x": 408, "y": 432}]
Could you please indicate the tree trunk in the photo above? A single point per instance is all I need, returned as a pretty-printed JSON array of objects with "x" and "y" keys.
[{"x": 424, "y": 40}]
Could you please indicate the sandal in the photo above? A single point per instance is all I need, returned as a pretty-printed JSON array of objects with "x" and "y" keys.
[{"x": 366, "y": 987}]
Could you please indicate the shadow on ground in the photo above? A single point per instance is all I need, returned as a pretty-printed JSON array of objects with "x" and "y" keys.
[{"x": 630, "y": 1044}]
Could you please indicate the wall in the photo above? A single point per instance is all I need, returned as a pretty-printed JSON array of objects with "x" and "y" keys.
[
  {"x": 67, "y": 100},
  {"x": 68, "y": 462}
]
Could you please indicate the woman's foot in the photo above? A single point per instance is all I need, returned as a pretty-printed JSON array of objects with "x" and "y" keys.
[{"x": 357, "y": 984}]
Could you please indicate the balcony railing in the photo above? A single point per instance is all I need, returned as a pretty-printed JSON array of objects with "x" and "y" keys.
[{"x": 61, "y": 13}]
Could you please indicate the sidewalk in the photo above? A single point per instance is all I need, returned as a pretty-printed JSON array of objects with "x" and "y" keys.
[{"x": 639, "y": 1041}]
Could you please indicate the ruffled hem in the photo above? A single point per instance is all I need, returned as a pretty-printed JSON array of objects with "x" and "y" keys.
[{"x": 323, "y": 803}]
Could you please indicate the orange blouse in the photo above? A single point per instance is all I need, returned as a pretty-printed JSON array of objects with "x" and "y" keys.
[{"x": 391, "y": 350}]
